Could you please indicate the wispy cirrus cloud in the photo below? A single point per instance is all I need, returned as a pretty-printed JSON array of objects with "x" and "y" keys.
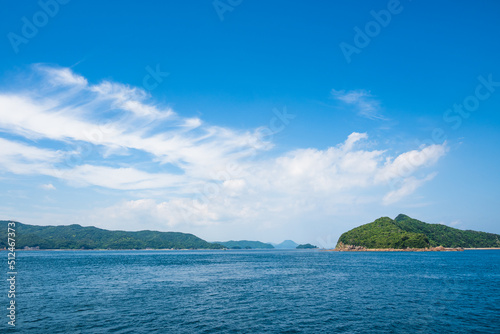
[
  {"x": 113, "y": 116},
  {"x": 364, "y": 104}
]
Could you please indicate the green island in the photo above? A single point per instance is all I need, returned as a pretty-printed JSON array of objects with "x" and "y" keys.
[
  {"x": 245, "y": 244},
  {"x": 306, "y": 246},
  {"x": 80, "y": 237},
  {"x": 404, "y": 232}
]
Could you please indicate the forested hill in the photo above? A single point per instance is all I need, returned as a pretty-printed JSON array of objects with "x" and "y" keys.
[
  {"x": 79, "y": 237},
  {"x": 403, "y": 232}
]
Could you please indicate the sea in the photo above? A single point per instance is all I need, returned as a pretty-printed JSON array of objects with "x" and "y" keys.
[{"x": 255, "y": 291}]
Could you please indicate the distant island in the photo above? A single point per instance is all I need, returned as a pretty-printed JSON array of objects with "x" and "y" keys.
[
  {"x": 306, "y": 246},
  {"x": 245, "y": 244},
  {"x": 287, "y": 244},
  {"x": 404, "y": 232},
  {"x": 79, "y": 237}
]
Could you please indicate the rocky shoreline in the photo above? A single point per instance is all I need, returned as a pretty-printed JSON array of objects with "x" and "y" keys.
[{"x": 352, "y": 248}]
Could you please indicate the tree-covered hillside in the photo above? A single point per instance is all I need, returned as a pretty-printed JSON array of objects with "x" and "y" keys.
[
  {"x": 404, "y": 232},
  {"x": 442, "y": 235},
  {"x": 383, "y": 233},
  {"x": 79, "y": 237}
]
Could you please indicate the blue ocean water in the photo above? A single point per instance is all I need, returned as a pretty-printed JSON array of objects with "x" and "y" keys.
[{"x": 256, "y": 292}]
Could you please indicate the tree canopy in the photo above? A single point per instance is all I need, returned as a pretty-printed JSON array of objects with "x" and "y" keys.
[
  {"x": 405, "y": 232},
  {"x": 80, "y": 237}
]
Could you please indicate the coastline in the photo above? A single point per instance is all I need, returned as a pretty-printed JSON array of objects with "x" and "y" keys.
[
  {"x": 110, "y": 249},
  {"x": 431, "y": 249},
  {"x": 358, "y": 249}
]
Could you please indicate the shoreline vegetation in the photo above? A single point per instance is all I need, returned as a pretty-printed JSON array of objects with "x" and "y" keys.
[
  {"x": 404, "y": 233},
  {"x": 77, "y": 237},
  {"x": 351, "y": 248},
  {"x": 73, "y": 237}
]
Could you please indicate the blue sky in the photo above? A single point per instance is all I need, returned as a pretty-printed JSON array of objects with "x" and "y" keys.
[{"x": 249, "y": 119}]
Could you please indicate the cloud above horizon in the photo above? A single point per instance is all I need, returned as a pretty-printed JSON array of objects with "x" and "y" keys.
[{"x": 177, "y": 170}]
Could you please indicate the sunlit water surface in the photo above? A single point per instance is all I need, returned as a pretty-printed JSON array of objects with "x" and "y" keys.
[{"x": 256, "y": 292}]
